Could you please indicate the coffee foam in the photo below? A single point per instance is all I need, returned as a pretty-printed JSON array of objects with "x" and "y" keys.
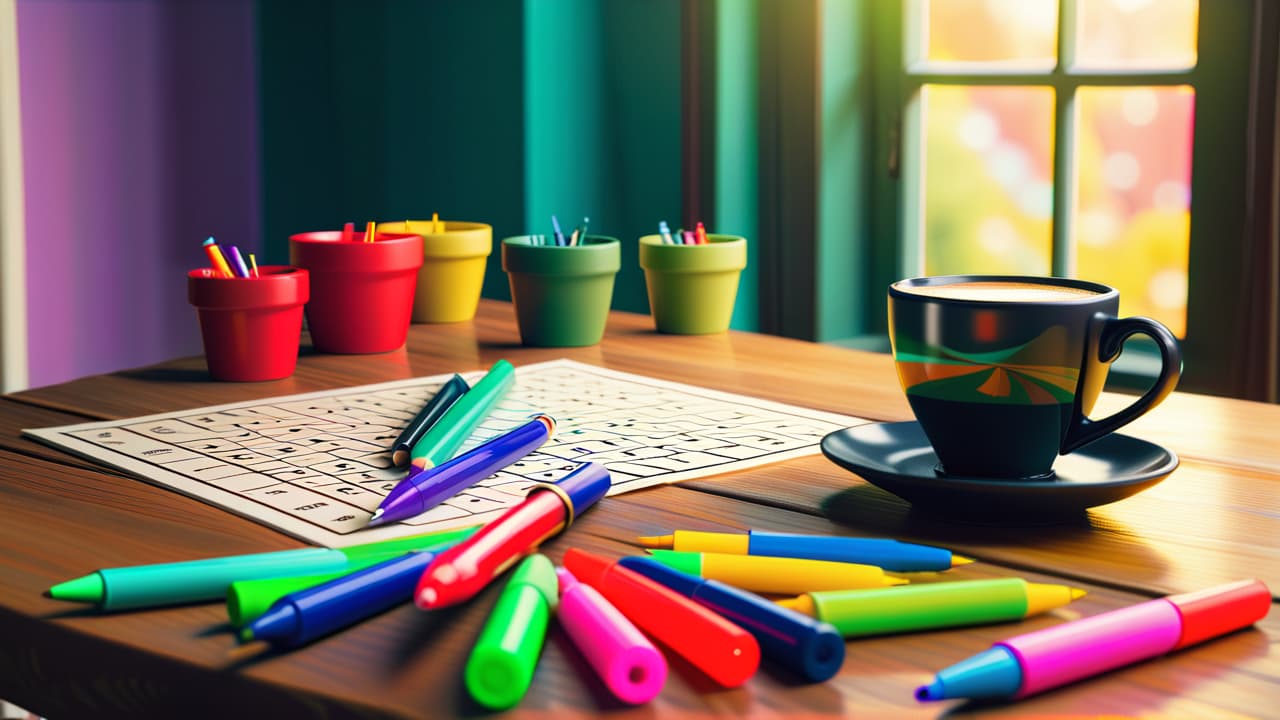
[{"x": 997, "y": 291}]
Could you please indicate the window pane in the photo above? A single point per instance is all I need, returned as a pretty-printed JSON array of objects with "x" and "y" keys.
[
  {"x": 1133, "y": 196},
  {"x": 999, "y": 34},
  {"x": 988, "y": 179},
  {"x": 1136, "y": 34}
]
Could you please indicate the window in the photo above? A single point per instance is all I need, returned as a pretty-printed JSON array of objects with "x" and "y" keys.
[{"x": 1082, "y": 138}]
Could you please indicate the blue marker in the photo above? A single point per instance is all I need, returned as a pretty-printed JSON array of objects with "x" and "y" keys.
[
  {"x": 298, "y": 618},
  {"x": 582, "y": 236},
  {"x": 889, "y": 554},
  {"x": 559, "y": 236},
  {"x": 422, "y": 490},
  {"x": 793, "y": 640},
  {"x": 665, "y": 232}
]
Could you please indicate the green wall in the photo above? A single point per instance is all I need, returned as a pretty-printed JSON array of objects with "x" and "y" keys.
[{"x": 503, "y": 112}]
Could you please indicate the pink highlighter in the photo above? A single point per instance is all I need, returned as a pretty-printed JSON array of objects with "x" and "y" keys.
[
  {"x": 630, "y": 666},
  {"x": 1049, "y": 658}
]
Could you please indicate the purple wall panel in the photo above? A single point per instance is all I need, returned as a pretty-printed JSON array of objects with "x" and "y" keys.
[{"x": 140, "y": 138}]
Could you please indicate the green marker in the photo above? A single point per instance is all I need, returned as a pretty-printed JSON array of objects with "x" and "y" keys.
[
  {"x": 463, "y": 416},
  {"x": 501, "y": 665},
  {"x": 882, "y": 611},
  {"x": 190, "y": 581},
  {"x": 247, "y": 599}
]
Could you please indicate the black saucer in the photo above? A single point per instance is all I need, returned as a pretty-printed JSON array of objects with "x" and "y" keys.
[{"x": 897, "y": 457}]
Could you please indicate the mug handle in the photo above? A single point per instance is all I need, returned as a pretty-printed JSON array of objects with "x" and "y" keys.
[{"x": 1110, "y": 342}]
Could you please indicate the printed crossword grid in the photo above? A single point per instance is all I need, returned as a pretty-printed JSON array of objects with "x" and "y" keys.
[{"x": 316, "y": 465}]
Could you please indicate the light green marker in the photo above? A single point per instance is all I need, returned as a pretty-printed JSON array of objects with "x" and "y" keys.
[
  {"x": 501, "y": 665},
  {"x": 883, "y": 611},
  {"x": 191, "y": 581},
  {"x": 463, "y": 416},
  {"x": 247, "y": 599}
]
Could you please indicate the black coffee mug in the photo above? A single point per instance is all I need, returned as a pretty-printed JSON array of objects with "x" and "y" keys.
[{"x": 1003, "y": 371}]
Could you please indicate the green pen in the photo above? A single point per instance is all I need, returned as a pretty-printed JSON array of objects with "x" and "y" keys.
[
  {"x": 501, "y": 665},
  {"x": 462, "y": 417},
  {"x": 141, "y": 586},
  {"x": 247, "y": 599}
]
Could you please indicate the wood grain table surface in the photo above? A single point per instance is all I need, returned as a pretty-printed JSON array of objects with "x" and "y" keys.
[{"x": 1215, "y": 519}]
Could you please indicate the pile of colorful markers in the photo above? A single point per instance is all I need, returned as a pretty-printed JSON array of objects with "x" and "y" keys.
[
  {"x": 697, "y": 236},
  {"x": 700, "y": 595},
  {"x": 229, "y": 264}
]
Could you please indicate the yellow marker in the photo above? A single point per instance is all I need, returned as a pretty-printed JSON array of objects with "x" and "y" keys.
[
  {"x": 217, "y": 258},
  {"x": 778, "y": 575},
  {"x": 253, "y": 262},
  {"x": 436, "y": 225},
  {"x": 370, "y": 231},
  {"x": 882, "y": 611},
  {"x": 888, "y": 554}
]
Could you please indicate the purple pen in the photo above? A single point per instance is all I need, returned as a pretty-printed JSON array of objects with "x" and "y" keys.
[
  {"x": 424, "y": 489},
  {"x": 237, "y": 262}
]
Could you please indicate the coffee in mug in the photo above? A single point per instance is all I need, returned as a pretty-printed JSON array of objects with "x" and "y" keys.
[{"x": 1003, "y": 371}]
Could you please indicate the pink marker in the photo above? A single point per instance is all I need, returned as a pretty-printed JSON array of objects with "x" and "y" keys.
[
  {"x": 1049, "y": 658},
  {"x": 621, "y": 655}
]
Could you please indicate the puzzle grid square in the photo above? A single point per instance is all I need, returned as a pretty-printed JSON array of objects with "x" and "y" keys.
[{"x": 316, "y": 465}]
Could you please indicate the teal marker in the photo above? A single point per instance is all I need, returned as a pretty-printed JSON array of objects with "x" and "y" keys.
[
  {"x": 461, "y": 419},
  {"x": 143, "y": 586}
]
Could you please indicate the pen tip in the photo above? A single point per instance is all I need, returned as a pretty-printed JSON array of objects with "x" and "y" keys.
[
  {"x": 654, "y": 541},
  {"x": 246, "y": 635},
  {"x": 399, "y": 458},
  {"x": 929, "y": 692},
  {"x": 1077, "y": 593},
  {"x": 376, "y": 518},
  {"x": 896, "y": 580},
  {"x": 957, "y": 560}
]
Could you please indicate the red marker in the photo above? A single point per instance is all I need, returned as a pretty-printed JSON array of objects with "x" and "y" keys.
[
  {"x": 701, "y": 233},
  {"x": 722, "y": 650},
  {"x": 459, "y": 573}
]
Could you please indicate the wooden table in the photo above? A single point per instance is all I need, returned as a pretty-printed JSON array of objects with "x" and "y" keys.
[{"x": 1217, "y": 518}]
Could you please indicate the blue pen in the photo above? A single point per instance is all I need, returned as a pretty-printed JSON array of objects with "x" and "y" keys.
[
  {"x": 794, "y": 640},
  {"x": 422, "y": 490},
  {"x": 559, "y": 236},
  {"x": 237, "y": 262},
  {"x": 298, "y": 618},
  {"x": 888, "y": 554},
  {"x": 665, "y": 232}
]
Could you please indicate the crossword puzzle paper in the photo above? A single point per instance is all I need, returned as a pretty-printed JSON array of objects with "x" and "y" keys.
[{"x": 316, "y": 465}]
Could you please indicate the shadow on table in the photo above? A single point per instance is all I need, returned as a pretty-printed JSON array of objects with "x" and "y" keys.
[
  {"x": 871, "y": 509},
  {"x": 168, "y": 374}
]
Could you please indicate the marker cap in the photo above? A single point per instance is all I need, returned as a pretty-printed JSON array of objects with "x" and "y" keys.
[
  {"x": 1219, "y": 610},
  {"x": 580, "y": 489},
  {"x": 501, "y": 666}
]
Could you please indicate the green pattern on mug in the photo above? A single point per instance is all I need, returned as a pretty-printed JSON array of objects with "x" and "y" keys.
[{"x": 1020, "y": 375}]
